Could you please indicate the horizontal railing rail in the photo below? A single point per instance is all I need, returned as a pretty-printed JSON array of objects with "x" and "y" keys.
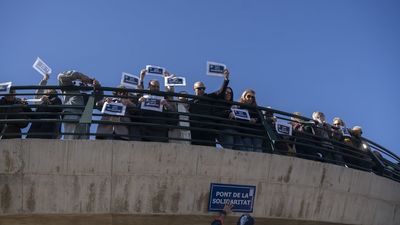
[{"x": 179, "y": 122}]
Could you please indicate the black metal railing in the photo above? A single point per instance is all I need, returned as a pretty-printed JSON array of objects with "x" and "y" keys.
[{"x": 179, "y": 122}]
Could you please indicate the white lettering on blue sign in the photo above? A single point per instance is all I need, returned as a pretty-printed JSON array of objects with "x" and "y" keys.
[{"x": 240, "y": 196}]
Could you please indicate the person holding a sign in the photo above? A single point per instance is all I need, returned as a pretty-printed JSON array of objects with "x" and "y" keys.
[
  {"x": 364, "y": 149},
  {"x": 226, "y": 138},
  {"x": 251, "y": 143},
  {"x": 48, "y": 97},
  {"x": 340, "y": 132},
  {"x": 152, "y": 107},
  {"x": 204, "y": 106},
  {"x": 323, "y": 132},
  {"x": 13, "y": 129},
  {"x": 74, "y": 97},
  {"x": 115, "y": 131}
]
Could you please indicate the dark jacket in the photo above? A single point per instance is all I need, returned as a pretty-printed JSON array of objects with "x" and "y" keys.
[
  {"x": 205, "y": 106},
  {"x": 52, "y": 128},
  {"x": 254, "y": 114},
  {"x": 12, "y": 129}
]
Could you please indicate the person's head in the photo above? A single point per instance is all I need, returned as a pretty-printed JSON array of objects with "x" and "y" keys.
[
  {"x": 228, "y": 94},
  {"x": 357, "y": 131},
  {"x": 154, "y": 85},
  {"x": 245, "y": 219},
  {"x": 248, "y": 97},
  {"x": 199, "y": 88},
  {"x": 51, "y": 93},
  {"x": 337, "y": 122},
  {"x": 181, "y": 98},
  {"x": 296, "y": 119},
  {"x": 319, "y": 116},
  {"x": 11, "y": 96},
  {"x": 121, "y": 92}
]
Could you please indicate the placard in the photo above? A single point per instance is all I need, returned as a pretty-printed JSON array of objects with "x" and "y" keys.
[
  {"x": 283, "y": 128},
  {"x": 5, "y": 87},
  {"x": 41, "y": 67},
  {"x": 345, "y": 131},
  {"x": 242, "y": 114},
  {"x": 240, "y": 196},
  {"x": 155, "y": 70},
  {"x": 129, "y": 80},
  {"x": 116, "y": 109},
  {"x": 174, "y": 81},
  {"x": 215, "y": 69},
  {"x": 34, "y": 100},
  {"x": 152, "y": 103}
]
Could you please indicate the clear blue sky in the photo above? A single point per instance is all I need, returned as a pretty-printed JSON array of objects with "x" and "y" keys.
[{"x": 340, "y": 57}]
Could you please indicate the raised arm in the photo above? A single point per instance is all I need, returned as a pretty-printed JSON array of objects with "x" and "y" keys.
[
  {"x": 66, "y": 78},
  {"x": 221, "y": 92},
  {"x": 141, "y": 79},
  {"x": 43, "y": 82}
]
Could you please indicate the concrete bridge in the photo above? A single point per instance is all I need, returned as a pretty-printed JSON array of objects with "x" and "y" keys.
[{"x": 116, "y": 182}]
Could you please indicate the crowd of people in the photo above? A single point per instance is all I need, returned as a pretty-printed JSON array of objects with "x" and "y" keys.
[{"x": 207, "y": 118}]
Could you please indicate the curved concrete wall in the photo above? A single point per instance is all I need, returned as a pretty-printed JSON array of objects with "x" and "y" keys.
[{"x": 115, "y": 182}]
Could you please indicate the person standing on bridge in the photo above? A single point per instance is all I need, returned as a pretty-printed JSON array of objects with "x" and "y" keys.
[
  {"x": 73, "y": 97},
  {"x": 204, "y": 107}
]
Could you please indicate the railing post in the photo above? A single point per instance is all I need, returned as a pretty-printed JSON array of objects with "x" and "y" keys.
[
  {"x": 269, "y": 130},
  {"x": 87, "y": 113}
]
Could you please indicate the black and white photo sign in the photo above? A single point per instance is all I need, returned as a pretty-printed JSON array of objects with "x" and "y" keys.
[
  {"x": 155, "y": 70},
  {"x": 242, "y": 114},
  {"x": 152, "y": 103},
  {"x": 41, "y": 67},
  {"x": 283, "y": 128},
  {"x": 174, "y": 81},
  {"x": 129, "y": 80},
  {"x": 5, "y": 87},
  {"x": 215, "y": 69},
  {"x": 113, "y": 108}
]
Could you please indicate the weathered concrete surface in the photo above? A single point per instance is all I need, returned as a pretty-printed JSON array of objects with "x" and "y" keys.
[{"x": 116, "y": 182}]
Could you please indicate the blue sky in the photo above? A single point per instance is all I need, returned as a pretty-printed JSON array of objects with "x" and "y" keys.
[{"x": 339, "y": 57}]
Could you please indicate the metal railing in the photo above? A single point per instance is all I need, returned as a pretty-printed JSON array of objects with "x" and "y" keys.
[{"x": 181, "y": 123}]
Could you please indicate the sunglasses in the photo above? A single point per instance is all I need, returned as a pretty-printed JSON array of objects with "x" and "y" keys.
[
  {"x": 336, "y": 124},
  {"x": 201, "y": 88},
  {"x": 250, "y": 96}
]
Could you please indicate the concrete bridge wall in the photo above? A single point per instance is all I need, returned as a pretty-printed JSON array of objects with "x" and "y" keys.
[{"x": 117, "y": 182}]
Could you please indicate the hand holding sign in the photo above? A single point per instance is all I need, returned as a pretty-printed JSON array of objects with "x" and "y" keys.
[
  {"x": 174, "y": 81},
  {"x": 113, "y": 108},
  {"x": 5, "y": 88},
  {"x": 216, "y": 69},
  {"x": 41, "y": 67}
]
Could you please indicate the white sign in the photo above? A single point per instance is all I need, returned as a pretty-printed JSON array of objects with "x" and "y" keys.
[
  {"x": 242, "y": 114},
  {"x": 155, "y": 70},
  {"x": 129, "y": 80},
  {"x": 41, "y": 67},
  {"x": 215, "y": 69},
  {"x": 174, "y": 81},
  {"x": 152, "y": 103},
  {"x": 345, "y": 131},
  {"x": 5, "y": 87},
  {"x": 116, "y": 109},
  {"x": 34, "y": 100},
  {"x": 283, "y": 128}
]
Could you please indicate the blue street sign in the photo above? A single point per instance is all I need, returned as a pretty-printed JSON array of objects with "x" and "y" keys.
[{"x": 240, "y": 196}]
